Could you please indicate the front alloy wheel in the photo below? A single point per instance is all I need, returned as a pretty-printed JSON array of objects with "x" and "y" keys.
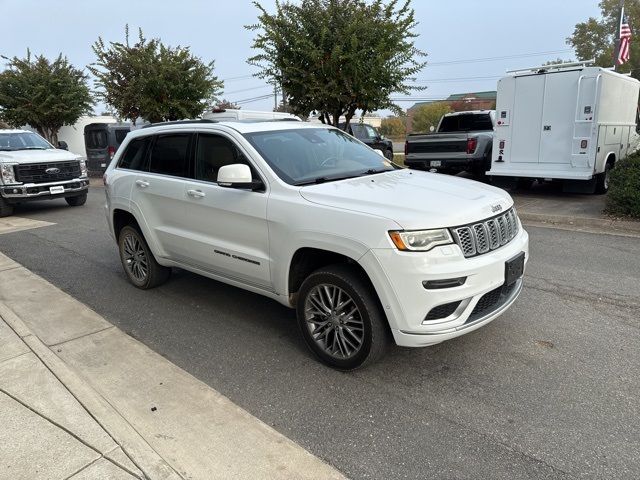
[
  {"x": 334, "y": 321},
  {"x": 340, "y": 317}
]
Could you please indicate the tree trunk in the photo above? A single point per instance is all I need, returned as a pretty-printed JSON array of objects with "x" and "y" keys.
[{"x": 50, "y": 134}]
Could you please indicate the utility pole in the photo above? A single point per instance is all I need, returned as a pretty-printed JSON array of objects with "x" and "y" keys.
[
  {"x": 616, "y": 50},
  {"x": 275, "y": 97}
]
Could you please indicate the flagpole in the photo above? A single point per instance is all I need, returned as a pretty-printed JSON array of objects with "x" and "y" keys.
[{"x": 616, "y": 50}]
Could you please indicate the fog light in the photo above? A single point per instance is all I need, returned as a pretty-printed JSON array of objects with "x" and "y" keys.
[
  {"x": 444, "y": 283},
  {"x": 15, "y": 190}
]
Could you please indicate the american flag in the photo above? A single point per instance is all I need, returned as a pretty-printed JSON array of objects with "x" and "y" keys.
[{"x": 625, "y": 39}]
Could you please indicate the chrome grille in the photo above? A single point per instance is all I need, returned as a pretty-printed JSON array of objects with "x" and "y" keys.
[{"x": 490, "y": 234}]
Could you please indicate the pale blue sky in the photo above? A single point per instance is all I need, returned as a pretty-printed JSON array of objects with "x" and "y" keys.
[{"x": 449, "y": 31}]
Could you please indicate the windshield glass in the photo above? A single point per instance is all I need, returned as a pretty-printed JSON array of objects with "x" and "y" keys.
[
  {"x": 22, "y": 141},
  {"x": 316, "y": 155}
]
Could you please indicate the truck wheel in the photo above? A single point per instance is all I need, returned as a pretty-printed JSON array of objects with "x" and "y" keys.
[
  {"x": 340, "y": 318},
  {"x": 77, "y": 201},
  {"x": 138, "y": 261},
  {"x": 6, "y": 209},
  {"x": 602, "y": 179},
  {"x": 389, "y": 155}
]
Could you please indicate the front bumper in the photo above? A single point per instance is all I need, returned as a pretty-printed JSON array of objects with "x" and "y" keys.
[
  {"x": 398, "y": 278},
  {"x": 40, "y": 191}
]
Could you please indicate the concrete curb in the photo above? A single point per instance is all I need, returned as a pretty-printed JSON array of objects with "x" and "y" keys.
[
  {"x": 134, "y": 446},
  {"x": 609, "y": 226}
]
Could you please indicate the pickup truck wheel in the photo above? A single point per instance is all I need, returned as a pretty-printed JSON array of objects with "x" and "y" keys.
[
  {"x": 138, "y": 261},
  {"x": 340, "y": 318},
  {"x": 6, "y": 209},
  {"x": 389, "y": 155},
  {"x": 77, "y": 201}
]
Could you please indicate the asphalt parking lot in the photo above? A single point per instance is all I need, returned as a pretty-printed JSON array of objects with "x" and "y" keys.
[{"x": 549, "y": 390}]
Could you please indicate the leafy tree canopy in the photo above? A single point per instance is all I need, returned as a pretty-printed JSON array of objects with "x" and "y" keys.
[
  {"x": 44, "y": 94},
  {"x": 338, "y": 56},
  {"x": 393, "y": 127},
  {"x": 429, "y": 115},
  {"x": 595, "y": 38},
  {"x": 151, "y": 80}
]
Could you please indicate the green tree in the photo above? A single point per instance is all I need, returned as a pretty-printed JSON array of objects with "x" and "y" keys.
[
  {"x": 335, "y": 57},
  {"x": 153, "y": 81},
  {"x": 429, "y": 115},
  {"x": 393, "y": 127},
  {"x": 595, "y": 38},
  {"x": 44, "y": 94}
]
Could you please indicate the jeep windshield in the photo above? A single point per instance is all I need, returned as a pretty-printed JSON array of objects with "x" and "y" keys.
[
  {"x": 13, "y": 141},
  {"x": 316, "y": 155}
]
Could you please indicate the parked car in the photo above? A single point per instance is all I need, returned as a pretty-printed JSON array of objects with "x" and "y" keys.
[
  {"x": 33, "y": 169},
  {"x": 370, "y": 136},
  {"x": 102, "y": 141},
  {"x": 463, "y": 142},
  {"x": 312, "y": 218},
  {"x": 567, "y": 122}
]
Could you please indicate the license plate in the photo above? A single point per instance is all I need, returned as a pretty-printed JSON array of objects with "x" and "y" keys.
[
  {"x": 514, "y": 269},
  {"x": 58, "y": 189},
  {"x": 103, "y": 165},
  {"x": 436, "y": 163}
]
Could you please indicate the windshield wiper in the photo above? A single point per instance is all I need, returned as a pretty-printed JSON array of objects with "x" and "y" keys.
[
  {"x": 373, "y": 171},
  {"x": 31, "y": 148},
  {"x": 318, "y": 180}
]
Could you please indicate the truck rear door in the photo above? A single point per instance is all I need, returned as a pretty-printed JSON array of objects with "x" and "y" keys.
[{"x": 527, "y": 119}]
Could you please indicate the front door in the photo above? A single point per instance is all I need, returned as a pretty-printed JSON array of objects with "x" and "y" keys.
[{"x": 230, "y": 237}]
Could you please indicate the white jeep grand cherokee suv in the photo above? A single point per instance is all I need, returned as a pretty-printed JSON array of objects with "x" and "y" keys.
[{"x": 309, "y": 216}]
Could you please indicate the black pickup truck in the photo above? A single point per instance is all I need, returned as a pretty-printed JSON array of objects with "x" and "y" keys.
[{"x": 462, "y": 142}]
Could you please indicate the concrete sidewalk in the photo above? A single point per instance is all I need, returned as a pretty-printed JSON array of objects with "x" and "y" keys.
[{"x": 80, "y": 399}]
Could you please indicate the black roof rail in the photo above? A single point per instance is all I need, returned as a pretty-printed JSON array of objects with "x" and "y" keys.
[{"x": 179, "y": 122}]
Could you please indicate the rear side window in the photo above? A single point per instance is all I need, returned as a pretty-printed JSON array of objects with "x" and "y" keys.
[
  {"x": 466, "y": 123},
  {"x": 120, "y": 134},
  {"x": 170, "y": 155},
  {"x": 134, "y": 156},
  {"x": 96, "y": 139}
]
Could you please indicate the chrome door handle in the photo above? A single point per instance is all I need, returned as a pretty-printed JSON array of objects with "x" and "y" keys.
[
  {"x": 142, "y": 183},
  {"x": 195, "y": 193}
]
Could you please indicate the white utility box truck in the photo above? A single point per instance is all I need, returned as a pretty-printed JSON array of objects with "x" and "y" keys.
[{"x": 567, "y": 122}]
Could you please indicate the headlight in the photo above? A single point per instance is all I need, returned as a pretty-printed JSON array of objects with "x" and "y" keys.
[
  {"x": 420, "y": 240},
  {"x": 7, "y": 173},
  {"x": 83, "y": 168}
]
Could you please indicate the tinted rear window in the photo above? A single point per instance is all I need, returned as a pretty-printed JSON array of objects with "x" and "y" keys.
[
  {"x": 95, "y": 138},
  {"x": 134, "y": 156},
  {"x": 120, "y": 134},
  {"x": 466, "y": 123},
  {"x": 169, "y": 155}
]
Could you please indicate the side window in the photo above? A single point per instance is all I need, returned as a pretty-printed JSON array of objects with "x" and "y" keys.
[
  {"x": 359, "y": 131},
  {"x": 213, "y": 152},
  {"x": 120, "y": 134},
  {"x": 170, "y": 155},
  {"x": 371, "y": 132},
  {"x": 134, "y": 156}
]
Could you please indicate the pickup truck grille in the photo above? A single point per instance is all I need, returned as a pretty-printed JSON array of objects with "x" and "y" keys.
[
  {"x": 457, "y": 147},
  {"x": 37, "y": 172},
  {"x": 488, "y": 235}
]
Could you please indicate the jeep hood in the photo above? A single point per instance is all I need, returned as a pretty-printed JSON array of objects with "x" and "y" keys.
[
  {"x": 37, "y": 156},
  {"x": 413, "y": 199}
]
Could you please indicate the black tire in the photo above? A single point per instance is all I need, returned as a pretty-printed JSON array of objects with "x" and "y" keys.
[
  {"x": 6, "y": 209},
  {"x": 138, "y": 262},
  {"x": 389, "y": 155},
  {"x": 602, "y": 179},
  {"x": 369, "y": 317},
  {"x": 77, "y": 201}
]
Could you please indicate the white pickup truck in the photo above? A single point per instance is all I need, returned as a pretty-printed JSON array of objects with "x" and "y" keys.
[
  {"x": 33, "y": 169},
  {"x": 318, "y": 221}
]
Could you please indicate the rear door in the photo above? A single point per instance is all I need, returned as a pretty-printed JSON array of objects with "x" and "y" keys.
[
  {"x": 526, "y": 121},
  {"x": 96, "y": 142},
  {"x": 230, "y": 236},
  {"x": 158, "y": 194}
]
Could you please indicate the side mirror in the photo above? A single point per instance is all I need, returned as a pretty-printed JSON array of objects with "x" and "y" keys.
[
  {"x": 238, "y": 175},
  {"x": 62, "y": 145},
  {"x": 381, "y": 137},
  {"x": 432, "y": 129}
]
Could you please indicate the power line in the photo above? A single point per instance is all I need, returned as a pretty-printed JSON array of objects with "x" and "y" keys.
[
  {"x": 247, "y": 89},
  {"x": 494, "y": 59},
  {"x": 456, "y": 79}
]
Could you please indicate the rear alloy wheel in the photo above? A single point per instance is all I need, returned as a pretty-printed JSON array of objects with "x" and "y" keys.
[
  {"x": 6, "y": 209},
  {"x": 138, "y": 262},
  {"x": 77, "y": 201},
  {"x": 340, "y": 318}
]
